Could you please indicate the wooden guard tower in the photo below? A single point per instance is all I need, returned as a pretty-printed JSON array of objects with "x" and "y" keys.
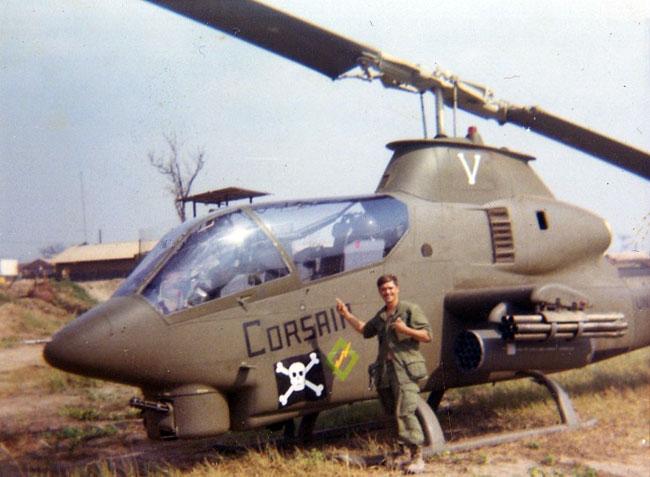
[{"x": 222, "y": 196}]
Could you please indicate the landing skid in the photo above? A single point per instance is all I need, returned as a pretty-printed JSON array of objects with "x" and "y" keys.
[
  {"x": 305, "y": 429},
  {"x": 435, "y": 440}
]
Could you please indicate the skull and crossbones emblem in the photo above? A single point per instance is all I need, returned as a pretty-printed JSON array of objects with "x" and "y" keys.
[{"x": 297, "y": 373}]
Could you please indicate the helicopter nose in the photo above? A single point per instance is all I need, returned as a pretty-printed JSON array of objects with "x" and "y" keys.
[
  {"x": 73, "y": 348},
  {"x": 92, "y": 345}
]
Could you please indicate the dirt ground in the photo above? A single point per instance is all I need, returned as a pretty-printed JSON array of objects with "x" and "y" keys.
[
  {"x": 52, "y": 423},
  {"x": 36, "y": 436}
]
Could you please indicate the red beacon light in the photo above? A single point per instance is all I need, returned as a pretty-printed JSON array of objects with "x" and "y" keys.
[{"x": 473, "y": 135}]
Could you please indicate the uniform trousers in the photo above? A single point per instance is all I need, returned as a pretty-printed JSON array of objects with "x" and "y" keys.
[{"x": 399, "y": 395}]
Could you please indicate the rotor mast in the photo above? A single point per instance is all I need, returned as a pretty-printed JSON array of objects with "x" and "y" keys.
[
  {"x": 479, "y": 100},
  {"x": 440, "y": 116},
  {"x": 440, "y": 113}
]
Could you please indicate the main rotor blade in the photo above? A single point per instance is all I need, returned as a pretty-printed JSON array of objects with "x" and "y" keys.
[
  {"x": 333, "y": 55},
  {"x": 296, "y": 39},
  {"x": 581, "y": 138}
]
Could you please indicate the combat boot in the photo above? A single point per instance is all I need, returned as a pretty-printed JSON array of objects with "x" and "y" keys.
[
  {"x": 401, "y": 458},
  {"x": 416, "y": 465}
]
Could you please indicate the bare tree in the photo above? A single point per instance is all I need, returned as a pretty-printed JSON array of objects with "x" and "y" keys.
[
  {"x": 51, "y": 250},
  {"x": 180, "y": 173}
]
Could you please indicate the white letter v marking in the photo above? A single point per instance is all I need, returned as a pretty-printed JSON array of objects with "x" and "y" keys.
[{"x": 471, "y": 175}]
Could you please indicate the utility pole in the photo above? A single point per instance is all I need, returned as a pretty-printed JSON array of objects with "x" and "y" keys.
[{"x": 83, "y": 206}]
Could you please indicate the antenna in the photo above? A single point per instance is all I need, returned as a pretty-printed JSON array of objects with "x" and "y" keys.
[
  {"x": 455, "y": 107},
  {"x": 83, "y": 205}
]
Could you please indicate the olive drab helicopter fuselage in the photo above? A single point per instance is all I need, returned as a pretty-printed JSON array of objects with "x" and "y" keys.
[{"x": 230, "y": 322}]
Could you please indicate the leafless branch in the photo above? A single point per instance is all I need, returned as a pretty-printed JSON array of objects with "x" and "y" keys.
[{"x": 180, "y": 173}]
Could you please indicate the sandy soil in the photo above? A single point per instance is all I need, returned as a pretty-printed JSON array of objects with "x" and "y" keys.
[{"x": 21, "y": 357}]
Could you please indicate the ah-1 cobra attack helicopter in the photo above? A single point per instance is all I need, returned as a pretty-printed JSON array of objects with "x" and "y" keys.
[{"x": 229, "y": 323}]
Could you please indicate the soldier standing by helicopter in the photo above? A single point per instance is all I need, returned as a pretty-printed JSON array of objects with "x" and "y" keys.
[{"x": 400, "y": 328}]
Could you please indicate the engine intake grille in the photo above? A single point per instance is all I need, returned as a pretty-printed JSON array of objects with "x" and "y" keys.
[{"x": 503, "y": 246}]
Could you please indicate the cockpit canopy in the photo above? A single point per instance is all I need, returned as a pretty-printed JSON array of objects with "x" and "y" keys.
[{"x": 227, "y": 253}]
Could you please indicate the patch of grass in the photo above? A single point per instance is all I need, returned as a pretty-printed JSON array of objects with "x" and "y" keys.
[
  {"x": 76, "y": 435},
  {"x": 85, "y": 413},
  {"x": 7, "y": 342},
  {"x": 58, "y": 381},
  {"x": 108, "y": 393},
  {"x": 584, "y": 471},
  {"x": 41, "y": 379},
  {"x": 506, "y": 405},
  {"x": 127, "y": 413},
  {"x": 112, "y": 399},
  {"x": 536, "y": 472},
  {"x": 4, "y": 298},
  {"x": 627, "y": 371},
  {"x": 17, "y": 382},
  {"x": 482, "y": 458},
  {"x": 555, "y": 469},
  {"x": 35, "y": 322},
  {"x": 549, "y": 460},
  {"x": 80, "y": 413},
  {"x": 71, "y": 289},
  {"x": 126, "y": 467},
  {"x": 272, "y": 462},
  {"x": 68, "y": 286}
]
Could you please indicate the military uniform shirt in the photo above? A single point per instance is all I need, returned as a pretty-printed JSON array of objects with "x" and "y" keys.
[{"x": 400, "y": 348}]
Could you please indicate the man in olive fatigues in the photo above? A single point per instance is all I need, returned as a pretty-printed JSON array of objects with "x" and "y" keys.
[{"x": 400, "y": 328}]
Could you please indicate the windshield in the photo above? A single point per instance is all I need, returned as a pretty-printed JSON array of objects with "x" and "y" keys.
[
  {"x": 224, "y": 256},
  {"x": 153, "y": 259},
  {"x": 328, "y": 237},
  {"x": 227, "y": 254}
]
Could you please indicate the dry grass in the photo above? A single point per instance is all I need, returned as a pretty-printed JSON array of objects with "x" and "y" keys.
[
  {"x": 33, "y": 310},
  {"x": 54, "y": 423},
  {"x": 616, "y": 393}
]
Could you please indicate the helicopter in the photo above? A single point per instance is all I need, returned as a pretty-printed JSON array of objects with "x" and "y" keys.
[{"x": 230, "y": 323}]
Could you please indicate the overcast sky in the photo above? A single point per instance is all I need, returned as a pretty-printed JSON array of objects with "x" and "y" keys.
[{"x": 89, "y": 87}]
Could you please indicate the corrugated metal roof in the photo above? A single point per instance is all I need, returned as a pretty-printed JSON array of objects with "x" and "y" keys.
[
  {"x": 103, "y": 251},
  {"x": 629, "y": 256},
  {"x": 224, "y": 195}
]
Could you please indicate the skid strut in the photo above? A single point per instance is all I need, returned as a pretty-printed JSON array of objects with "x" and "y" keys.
[
  {"x": 435, "y": 440},
  {"x": 562, "y": 399}
]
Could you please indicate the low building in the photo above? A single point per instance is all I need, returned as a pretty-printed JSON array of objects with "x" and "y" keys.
[
  {"x": 631, "y": 264},
  {"x": 38, "y": 268},
  {"x": 100, "y": 261},
  {"x": 8, "y": 270}
]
